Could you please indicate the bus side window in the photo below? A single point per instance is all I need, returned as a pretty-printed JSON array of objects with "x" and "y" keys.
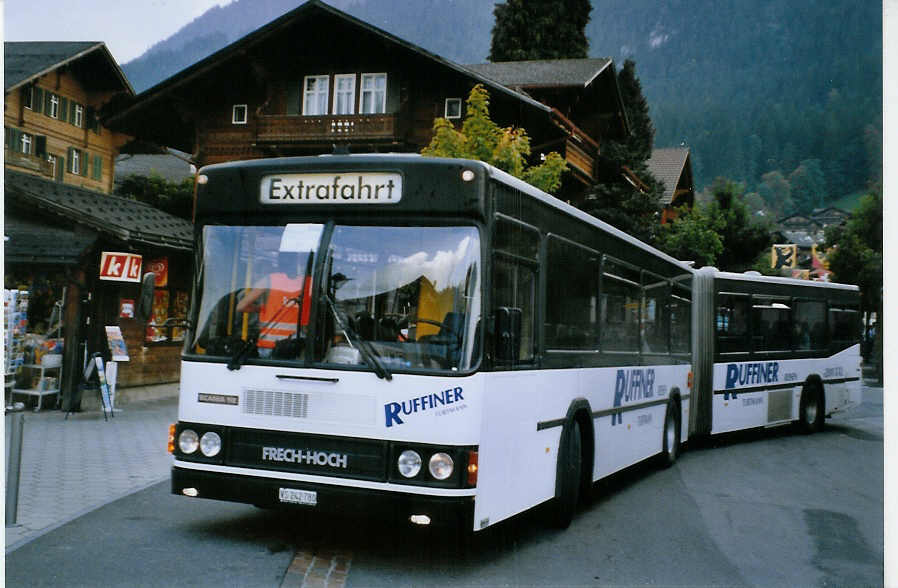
[
  {"x": 731, "y": 325},
  {"x": 572, "y": 290},
  {"x": 620, "y": 307},
  {"x": 844, "y": 326},
  {"x": 515, "y": 265}
]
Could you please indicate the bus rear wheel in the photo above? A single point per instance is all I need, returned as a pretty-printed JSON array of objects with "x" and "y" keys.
[
  {"x": 567, "y": 485},
  {"x": 811, "y": 408},
  {"x": 670, "y": 445}
]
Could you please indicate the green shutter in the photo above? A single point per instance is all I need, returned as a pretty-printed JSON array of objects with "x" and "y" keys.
[
  {"x": 38, "y": 99},
  {"x": 40, "y": 146},
  {"x": 60, "y": 167},
  {"x": 63, "y": 109},
  {"x": 16, "y": 141},
  {"x": 47, "y": 97},
  {"x": 70, "y": 169}
]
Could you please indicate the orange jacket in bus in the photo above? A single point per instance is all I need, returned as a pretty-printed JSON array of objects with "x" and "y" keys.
[{"x": 279, "y": 315}]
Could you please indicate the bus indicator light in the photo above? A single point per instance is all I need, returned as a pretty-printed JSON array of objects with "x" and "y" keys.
[
  {"x": 472, "y": 469},
  {"x": 171, "y": 438}
]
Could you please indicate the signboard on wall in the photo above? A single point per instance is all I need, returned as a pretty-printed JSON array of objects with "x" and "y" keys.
[
  {"x": 160, "y": 268},
  {"x": 120, "y": 267}
]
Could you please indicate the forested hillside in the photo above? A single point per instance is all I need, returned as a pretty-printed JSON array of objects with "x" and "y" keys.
[{"x": 784, "y": 96}]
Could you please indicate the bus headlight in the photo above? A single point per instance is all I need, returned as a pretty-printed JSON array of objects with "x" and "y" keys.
[
  {"x": 188, "y": 441},
  {"x": 210, "y": 444},
  {"x": 441, "y": 466},
  {"x": 409, "y": 463}
]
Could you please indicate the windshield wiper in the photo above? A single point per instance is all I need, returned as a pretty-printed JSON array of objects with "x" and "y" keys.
[{"x": 368, "y": 354}]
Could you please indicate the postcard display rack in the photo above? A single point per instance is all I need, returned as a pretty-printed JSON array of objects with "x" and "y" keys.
[{"x": 39, "y": 379}]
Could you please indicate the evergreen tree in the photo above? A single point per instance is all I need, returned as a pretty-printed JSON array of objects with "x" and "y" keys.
[
  {"x": 481, "y": 138},
  {"x": 743, "y": 238},
  {"x": 540, "y": 29},
  {"x": 614, "y": 199}
]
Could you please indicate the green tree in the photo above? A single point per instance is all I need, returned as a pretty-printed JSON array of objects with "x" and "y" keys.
[
  {"x": 856, "y": 250},
  {"x": 540, "y": 29},
  {"x": 693, "y": 235},
  {"x": 855, "y": 257},
  {"x": 776, "y": 192},
  {"x": 172, "y": 197},
  {"x": 808, "y": 186},
  {"x": 744, "y": 238},
  {"x": 615, "y": 200},
  {"x": 506, "y": 148}
]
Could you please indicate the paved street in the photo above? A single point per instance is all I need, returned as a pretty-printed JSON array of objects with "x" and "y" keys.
[
  {"x": 768, "y": 508},
  {"x": 70, "y": 467}
]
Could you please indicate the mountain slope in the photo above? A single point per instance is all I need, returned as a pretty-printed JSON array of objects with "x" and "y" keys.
[{"x": 750, "y": 87}]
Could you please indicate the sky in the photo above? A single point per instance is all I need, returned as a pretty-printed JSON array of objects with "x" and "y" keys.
[{"x": 128, "y": 27}]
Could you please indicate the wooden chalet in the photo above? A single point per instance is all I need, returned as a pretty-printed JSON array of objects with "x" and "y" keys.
[
  {"x": 60, "y": 217},
  {"x": 673, "y": 168},
  {"x": 317, "y": 78},
  {"x": 52, "y": 94}
]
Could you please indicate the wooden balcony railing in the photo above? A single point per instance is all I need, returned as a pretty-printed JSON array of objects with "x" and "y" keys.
[
  {"x": 311, "y": 129},
  {"x": 29, "y": 162}
]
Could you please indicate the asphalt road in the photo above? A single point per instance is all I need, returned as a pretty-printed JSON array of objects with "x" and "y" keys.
[{"x": 764, "y": 508}]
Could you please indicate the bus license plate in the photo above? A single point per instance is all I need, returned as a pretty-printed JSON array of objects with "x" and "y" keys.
[{"x": 293, "y": 496}]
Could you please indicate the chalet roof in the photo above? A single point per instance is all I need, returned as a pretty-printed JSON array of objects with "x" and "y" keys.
[
  {"x": 31, "y": 241},
  {"x": 668, "y": 165},
  {"x": 25, "y": 61},
  {"x": 550, "y": 73},
  {"x": 128, "y": 220},
  {"x": 306, "y": 11}
]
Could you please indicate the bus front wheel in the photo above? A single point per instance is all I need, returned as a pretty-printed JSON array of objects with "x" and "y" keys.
[
  {"x": 811, "y": 408},
  {"x": 567, "y": 485}
]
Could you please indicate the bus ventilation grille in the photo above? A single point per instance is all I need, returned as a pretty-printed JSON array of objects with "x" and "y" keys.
[{"x": 276, "y": 403}]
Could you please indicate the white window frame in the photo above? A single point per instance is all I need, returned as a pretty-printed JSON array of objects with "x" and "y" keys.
[
  {"x": 379, "y": 97},
  {"x": 78, "y": 120},
  {"x": 75, "y": 166},
  {"x": 313, "y": 97},
  {"x": 446, "y": 109},
  {"x": 27, "y": 144},
  {"x": 29, "y": 97},
  {"x": 346, "y": 93},
  {"x": 54, "y": 106},
  {"x": 238, "y": 120},
  {"x": 53, "y": 161}
]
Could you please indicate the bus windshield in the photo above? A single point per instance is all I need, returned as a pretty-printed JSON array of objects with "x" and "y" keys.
[{"x": 389, "y": 298}]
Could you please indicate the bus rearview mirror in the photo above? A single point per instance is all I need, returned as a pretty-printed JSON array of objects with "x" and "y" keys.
[{"x": 508, "y": 333}]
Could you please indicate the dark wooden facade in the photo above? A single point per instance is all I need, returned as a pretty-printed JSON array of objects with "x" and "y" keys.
[{"x": 248, "y": 100}]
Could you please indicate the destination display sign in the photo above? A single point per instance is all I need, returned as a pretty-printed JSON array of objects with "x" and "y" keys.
[{"x": 332, "y": 188}]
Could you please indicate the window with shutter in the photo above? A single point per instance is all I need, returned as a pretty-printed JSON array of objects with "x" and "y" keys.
[
  {"x": 28, "y": 97},
  {"x": 38, "y": 101}
]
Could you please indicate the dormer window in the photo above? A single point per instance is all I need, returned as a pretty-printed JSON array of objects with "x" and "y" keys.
[
  {"x": 453, "y": 108},
  {"x": 238, "y": 114}
]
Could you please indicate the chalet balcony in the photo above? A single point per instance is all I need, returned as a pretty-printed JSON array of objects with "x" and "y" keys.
[
  {"x": 24, "y": 161},
  {"x": 281, "y": 129}
]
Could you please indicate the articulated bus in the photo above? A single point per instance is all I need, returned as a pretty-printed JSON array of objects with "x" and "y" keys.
[
  {"x": 772, "y": 351},
  {"x": 437, "y": 341}
]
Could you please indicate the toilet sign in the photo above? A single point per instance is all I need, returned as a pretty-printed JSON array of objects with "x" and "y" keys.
[{"x": 120, "y": 267}]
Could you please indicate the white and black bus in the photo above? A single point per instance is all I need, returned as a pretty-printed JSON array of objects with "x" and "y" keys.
[
  {"x": 771, "y": 351},
  {"x": 435, "y": 340}
]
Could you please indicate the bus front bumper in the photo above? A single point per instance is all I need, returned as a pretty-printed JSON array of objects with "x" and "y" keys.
[{"x": 339, "y": 500}]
